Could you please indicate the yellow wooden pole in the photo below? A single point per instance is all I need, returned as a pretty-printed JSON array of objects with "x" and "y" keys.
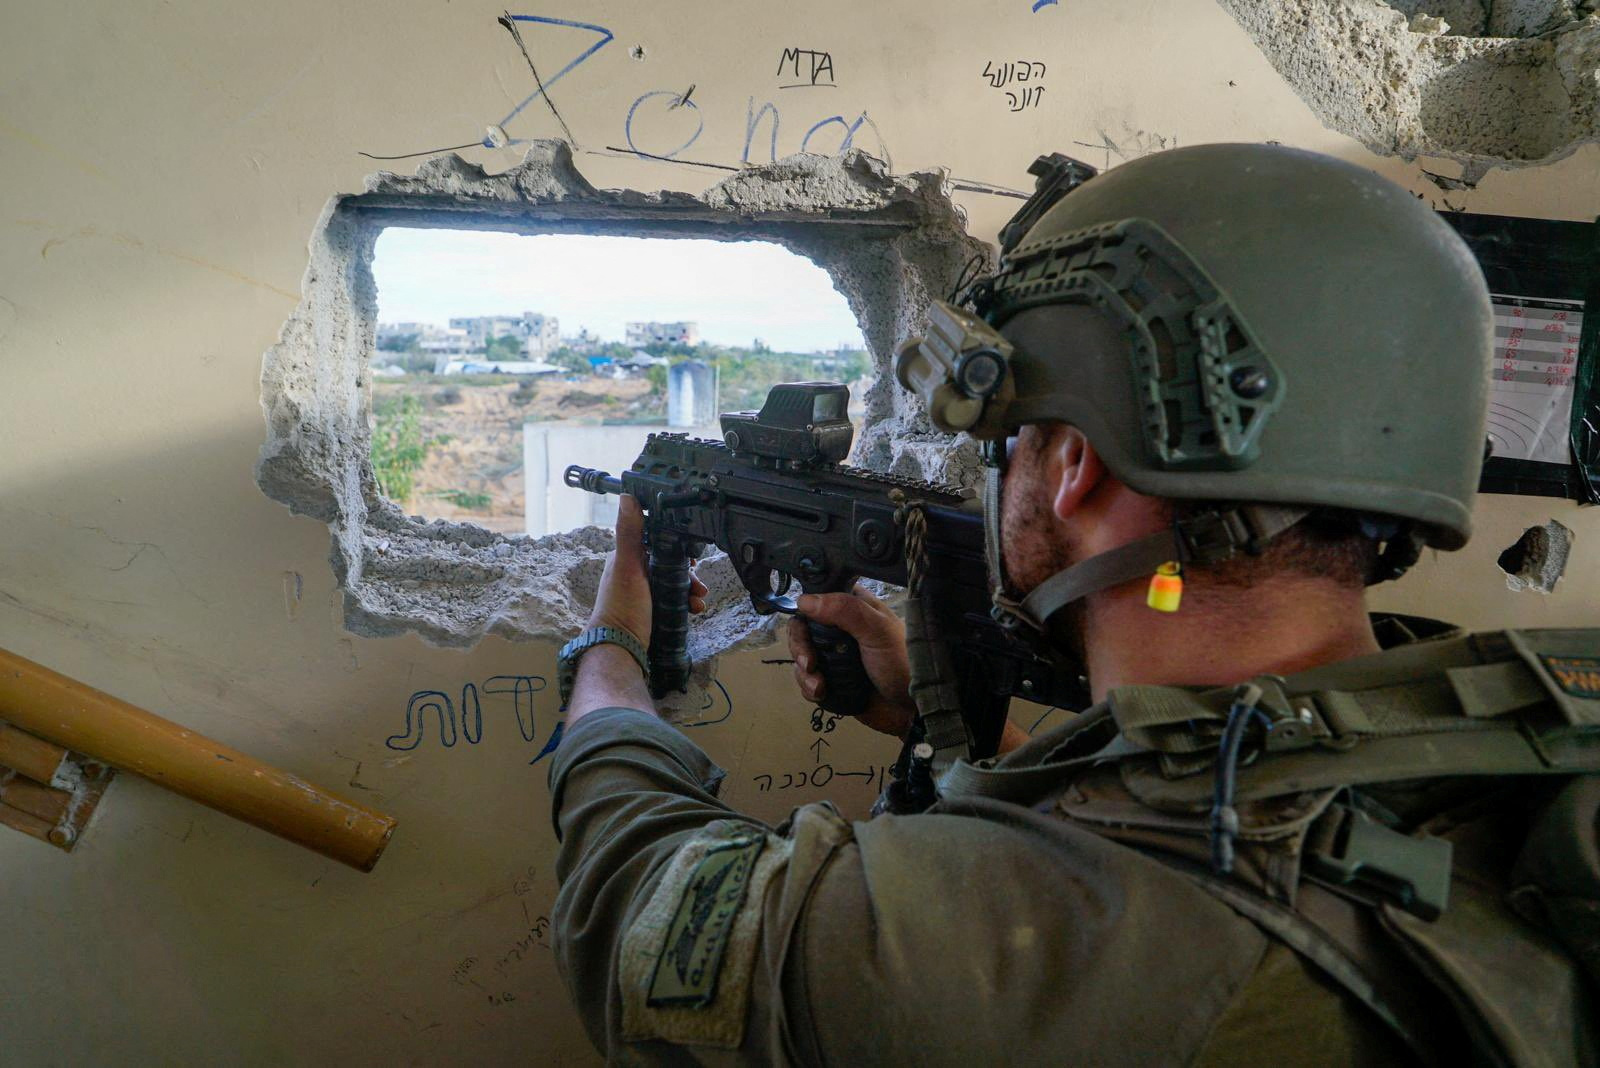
[
  {"x": 33, "y": 757},
  {"x": 30, "y": 825},
  {"x": 88, "y": 721},
  {"x": 42, "y": 802}
]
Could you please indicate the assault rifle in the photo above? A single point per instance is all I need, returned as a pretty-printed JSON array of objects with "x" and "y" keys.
[{"x": 775, "y": 496}]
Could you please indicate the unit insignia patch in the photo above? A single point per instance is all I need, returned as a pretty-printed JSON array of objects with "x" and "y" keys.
[
  {"x": 691, "y": 956},
  {"x": 1577, "y": 675}
]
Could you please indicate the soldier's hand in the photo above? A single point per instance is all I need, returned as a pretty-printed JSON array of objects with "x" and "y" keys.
[
  {"x": 882, "y": 638},
  {"x": 623, "y": 599}
]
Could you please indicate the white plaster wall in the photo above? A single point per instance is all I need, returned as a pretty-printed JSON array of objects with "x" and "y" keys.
[{"x": 161, "y": 168}]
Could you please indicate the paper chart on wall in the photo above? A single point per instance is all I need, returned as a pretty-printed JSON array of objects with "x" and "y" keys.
[{"x": 1531, "y": 382}]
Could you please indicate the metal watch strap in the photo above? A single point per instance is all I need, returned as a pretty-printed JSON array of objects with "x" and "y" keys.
[{"x": 572, "y": 652}]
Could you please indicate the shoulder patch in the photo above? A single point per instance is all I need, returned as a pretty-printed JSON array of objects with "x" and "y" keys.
[
  {"x": 691, "y": 957},
  {"x": 688, "y": 958},
  {"x": 1576, "y": 675},
  {"x": 1565, "y": 663}
]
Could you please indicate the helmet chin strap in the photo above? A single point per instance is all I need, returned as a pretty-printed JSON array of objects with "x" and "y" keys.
[{"x": 1208, "y": 538}]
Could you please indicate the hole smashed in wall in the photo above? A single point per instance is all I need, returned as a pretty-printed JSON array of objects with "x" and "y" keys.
[
  {"x": 1538, "y": 559},
  {"x": 1483, "y": 82},
  {"x": 1492, "y": 18},
  {"x": 890, "y": 243}
]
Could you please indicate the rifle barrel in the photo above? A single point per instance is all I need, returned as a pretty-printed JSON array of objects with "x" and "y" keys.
[{"x": 592, "y": 480}]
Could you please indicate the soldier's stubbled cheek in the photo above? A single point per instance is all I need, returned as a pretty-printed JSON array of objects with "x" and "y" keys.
[{"x": 1031, "y": 548}]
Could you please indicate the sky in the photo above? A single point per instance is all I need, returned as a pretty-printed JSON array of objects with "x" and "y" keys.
[{"x": 736, "y": 290}]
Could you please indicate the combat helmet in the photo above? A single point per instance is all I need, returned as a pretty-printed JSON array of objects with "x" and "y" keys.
[{"x": 1233, "y": 323}]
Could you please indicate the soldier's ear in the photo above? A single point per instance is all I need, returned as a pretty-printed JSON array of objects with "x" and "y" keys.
[{"x": 1075, "y": 469}]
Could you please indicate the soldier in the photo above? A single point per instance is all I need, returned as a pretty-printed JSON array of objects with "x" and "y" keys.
[{"x": 1282, "y": 834}]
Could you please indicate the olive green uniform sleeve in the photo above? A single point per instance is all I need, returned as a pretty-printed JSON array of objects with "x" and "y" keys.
[
  {"x": 983, "y": 934},
  {"x": 635, "y": 807}
]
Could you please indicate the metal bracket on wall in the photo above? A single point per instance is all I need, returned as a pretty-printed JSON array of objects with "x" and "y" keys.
[{"x": 48, "y": 792}]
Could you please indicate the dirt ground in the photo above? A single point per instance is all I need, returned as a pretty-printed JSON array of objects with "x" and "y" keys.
[{"x": 483, "y": 422}]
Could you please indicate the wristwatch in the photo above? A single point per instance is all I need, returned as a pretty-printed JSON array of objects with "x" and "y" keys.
[{"x": 572, "y": 652}]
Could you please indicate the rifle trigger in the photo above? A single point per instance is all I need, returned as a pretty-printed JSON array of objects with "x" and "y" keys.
[{"x": 768, "y": 603}]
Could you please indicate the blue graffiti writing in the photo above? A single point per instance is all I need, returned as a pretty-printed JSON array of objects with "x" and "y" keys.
[
  {"x": 522, "y": 688},
  {"x": 708, "y": 703},
  {"x": 1047, "y": 713},
  {"x": 850, "y": 129},
  {"x": 436, "y": 706},
  {"x": 550, "y": 746},
  {"x": 679, "y": 101},
  {"x": 606, "y": 37},
  {"x": 661, "y": 105},
  {"x": 752, "y": 119},
  {"x": 416, "y": 721}
]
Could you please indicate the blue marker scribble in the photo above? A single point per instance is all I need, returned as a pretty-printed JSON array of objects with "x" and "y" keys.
[
  {"x": 550, "y": 746},
  {"x": 679, "y": 101},
  {"x": 416, "y": 715},
  {"x": 753, "y": 121},
  {"x": 521, "y": 688},
  {"x": 708, "y": 703},
  {"x": 471, "y": 730},
  {"x": 606, "y": 37},
  {"x": 1042, "y": 718},
  {"x": 1037, "y": 4},
  {"x": 850, "y": 129}
]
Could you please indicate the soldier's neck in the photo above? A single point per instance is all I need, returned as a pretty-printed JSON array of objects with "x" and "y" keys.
[{"x": 1220, "y": 638}]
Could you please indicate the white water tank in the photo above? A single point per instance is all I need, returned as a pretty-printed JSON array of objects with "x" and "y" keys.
[{"x": 691, "y": 394}]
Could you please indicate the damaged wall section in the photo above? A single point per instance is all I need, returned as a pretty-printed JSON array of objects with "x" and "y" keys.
[
  {"x": 1484, "y": 83},
  {"x": 1538, "y": 559},
  {"x": 890, "y": 243}
]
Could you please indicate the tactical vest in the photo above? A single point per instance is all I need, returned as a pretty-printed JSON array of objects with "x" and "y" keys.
[{"x": 1491, "y": 905}]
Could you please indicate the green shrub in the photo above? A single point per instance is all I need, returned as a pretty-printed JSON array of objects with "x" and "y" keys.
[
  {"x": 472, "y": 502},
  {"x": 398, "y": 447}
]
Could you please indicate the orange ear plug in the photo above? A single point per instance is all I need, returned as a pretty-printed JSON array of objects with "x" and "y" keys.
[{"x": 1166, "y": 588}]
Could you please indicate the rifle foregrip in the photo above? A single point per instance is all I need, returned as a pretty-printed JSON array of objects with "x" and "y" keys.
[
  {"x": 669, "y": 616},
  {"x": 846, "y": 687}
]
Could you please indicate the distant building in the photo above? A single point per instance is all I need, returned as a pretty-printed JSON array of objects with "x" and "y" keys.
[
  {"x": 640, "y": 334},
  {"x": 498, "y": 367},
  {"x": 539, "y": 334},
  {"x": 390, "y": 332},
  {"x": 480, "y": 328},
  {"x": 832, "y": 363},
  {"x": 442, "y": 341},
  {"x": 628, "y": 366},
  {"x": 435, "y": 340}
]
